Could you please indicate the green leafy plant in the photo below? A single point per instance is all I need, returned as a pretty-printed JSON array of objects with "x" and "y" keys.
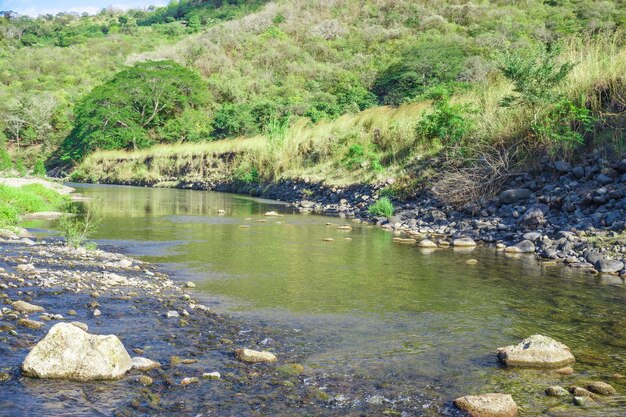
[
  {"x": 447, "y": 122},
  {"x": 77, "y": 225},
  {"x": 39, "y": 169},
  {"x": 535, "y": 74},
  {"x": 247, "y": 173},
  {"x": 124, "y": 112},
  {"x": 360, "y": 157},
  {"x": 565, "y": 123},
  {"x": 382, "y": 207}
]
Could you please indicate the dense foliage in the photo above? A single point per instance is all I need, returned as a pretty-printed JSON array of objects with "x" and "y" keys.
[
  {"x": 130, "y": 110},
  {"x": 266, "y": 61}
]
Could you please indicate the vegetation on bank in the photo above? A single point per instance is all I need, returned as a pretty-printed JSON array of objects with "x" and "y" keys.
[
  {"x": 17, "y": 201},
  {"x": 343, "y": 92}
]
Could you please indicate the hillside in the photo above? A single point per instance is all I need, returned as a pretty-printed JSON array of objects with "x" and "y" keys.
[{"x": 344, "y": 91}]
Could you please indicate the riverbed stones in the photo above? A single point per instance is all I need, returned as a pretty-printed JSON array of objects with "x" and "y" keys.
[
  {"x": 189, "y": 381},
  {"x": 536, "y": 351},
  {"x": 609, "y": 266},
  {"x": 190, "y": 284},
  {"x": 525, "y": 246},
  {"x": 427, "y": 243},
  {"x": 271, "y": 214},
  {"x": 68, "y": 352},
  {"x": 254, "y": 356},
  {"x": 144, "y": 364},
  {"x": 601, "y": 388},
  {"x": 26, "y": 308},
  {"x": 30, "y": 324},
  {"x": 487, "y": 405},
  {"x": 464, "y": 242},
  {"x": 212, "y": 376},
  {"x": 25, "y": 268},
  {"x": 583, "y": 401},
  {"x": 557, "y": 391},
  {"x": 515, "y": 194}
]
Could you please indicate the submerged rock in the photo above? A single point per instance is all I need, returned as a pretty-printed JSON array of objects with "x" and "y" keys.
[
  {"x": 68, "y": 352},
  {"x": 144, "y": 364},
  {"x": 253, "y": 356},
  {"x": 525, "y": 246},
  {"x": 487, "y": 405},
  {"x": 464, "y": 242},
  {"x": 537, "y": 351},
  {"x": 24, "y": 307},
  {"x": 426, "y": 243},
  {"x": 556, "y": 391},
  {"x": 601, "y": 388}
]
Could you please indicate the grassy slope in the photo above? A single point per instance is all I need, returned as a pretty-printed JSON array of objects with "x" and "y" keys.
[
  {"x": 15, "y": 201},
  {"x": 319, "y": 151}
]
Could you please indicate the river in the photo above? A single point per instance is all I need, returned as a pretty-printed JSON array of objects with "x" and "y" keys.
[{"x": 423, "y": 321}]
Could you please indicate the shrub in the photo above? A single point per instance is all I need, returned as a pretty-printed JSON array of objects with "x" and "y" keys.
[
  {"x": 382, "y": 207},
  {"x": 246, "y": 173},
  {"x": 565, "y": 123},
  {"x": 233, "y": 120},
  {"x": 446, "y": 122},
  {"x": 39, "y": 169},
  {"x": 359, "y": 157},
  {"x": 76, "y": 227},
  {"x": 425, "y": 65},
  {"x": 5, "y": 159}
]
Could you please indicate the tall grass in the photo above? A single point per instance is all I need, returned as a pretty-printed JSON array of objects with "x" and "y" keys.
[{"x": 15, "y": 201}]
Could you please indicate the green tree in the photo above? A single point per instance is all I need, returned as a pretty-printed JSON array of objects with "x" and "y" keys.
[
  {"x": 423, "y": 66},
  {"x": 127, "y": 111}
]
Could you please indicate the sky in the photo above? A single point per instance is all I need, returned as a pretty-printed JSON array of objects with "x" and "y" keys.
[{"x": 37, "y": 7}]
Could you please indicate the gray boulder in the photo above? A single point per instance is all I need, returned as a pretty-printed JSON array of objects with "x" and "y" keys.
[
  {"x": 515, "y": 194},
  {"x": 487, "y": 405},
  {"x": 525, "y": 246},
  {"x": 609, "y": 266},
  {"x": 464, "y": 242},
  {"x": 68, "y": 352},
  {"x": 536, "y": 351}
]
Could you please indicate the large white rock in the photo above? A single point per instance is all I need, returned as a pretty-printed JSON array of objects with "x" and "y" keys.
[
  {"x": 68, "y": 352},
  {"x": 254, "y": 356},
  {"x": 487, "y": 405},
  {"x": 536, "y": 351}
]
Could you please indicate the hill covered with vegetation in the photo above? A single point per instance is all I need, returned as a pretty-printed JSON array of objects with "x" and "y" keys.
[{"x": 338, "y": 90}]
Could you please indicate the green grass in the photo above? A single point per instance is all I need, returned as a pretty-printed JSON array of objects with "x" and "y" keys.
[
  {"x": 15, "y": 201},
  {"x": 382, "y": 207}
]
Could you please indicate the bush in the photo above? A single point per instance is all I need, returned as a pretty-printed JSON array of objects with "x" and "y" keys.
[
  {"x": 5, "y": 159},
  {"x": 39, "y": 170},
  {"x": 446, "y": 122},
  {"x": 233, "y": 120},
  {"x": 382, "y": 207},
  {"x": 76, "y": 227},
  {"x": 246, "y": 173},
  {"x": 421, "y": 67},
  {"x": 565, "y": 123},
  {"x": 359, "y": 157}
]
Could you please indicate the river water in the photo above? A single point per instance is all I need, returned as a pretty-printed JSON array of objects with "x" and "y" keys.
[{"x": 384, "y": 313}]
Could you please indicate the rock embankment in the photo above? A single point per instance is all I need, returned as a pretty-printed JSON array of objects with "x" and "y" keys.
[{"x": 573, "y": 215}]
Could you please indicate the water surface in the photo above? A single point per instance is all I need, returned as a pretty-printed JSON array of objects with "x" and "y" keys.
[{"x": 387, "y": 313}]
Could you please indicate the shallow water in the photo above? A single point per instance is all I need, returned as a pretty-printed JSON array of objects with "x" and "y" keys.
[{"x": 385, "y": 314}]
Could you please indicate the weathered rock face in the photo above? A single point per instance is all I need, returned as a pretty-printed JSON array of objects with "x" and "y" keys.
[
  {"x": 537, "y": 351},
  {"x": 68, "y": 352},
  {"x": 253, "y": 356},
  {"x": 487, "y": 405}
]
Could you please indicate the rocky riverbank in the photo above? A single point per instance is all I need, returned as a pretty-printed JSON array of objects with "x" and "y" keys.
[
  {"x": 204, "y": 363},
  {"x": 570, "y": 215}
]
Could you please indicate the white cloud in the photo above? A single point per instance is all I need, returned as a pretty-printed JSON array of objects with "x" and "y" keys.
[{"x": 28, "y": 8}]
